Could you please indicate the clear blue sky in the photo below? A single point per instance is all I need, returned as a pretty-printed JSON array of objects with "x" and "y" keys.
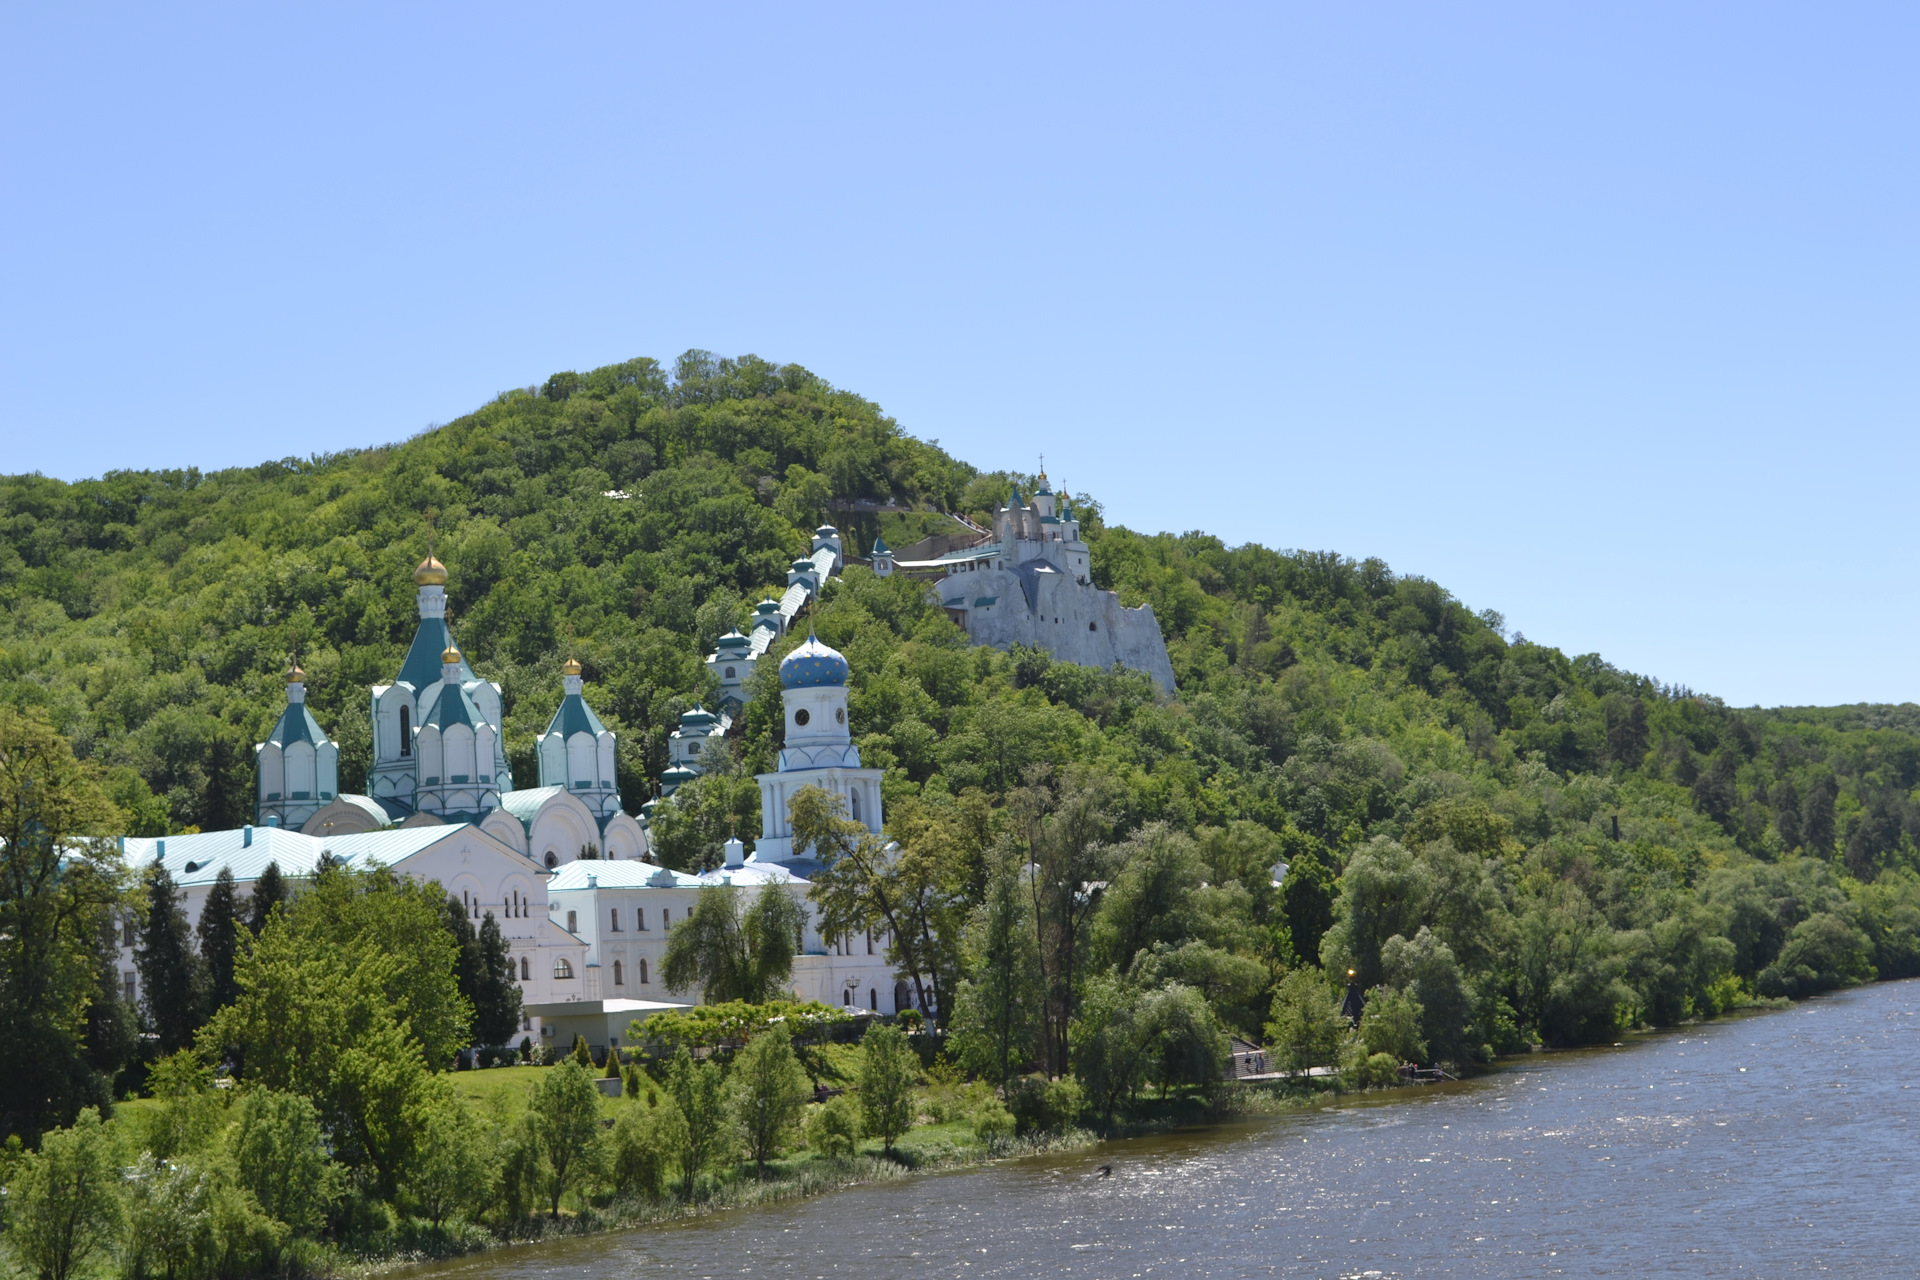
[{"x": 1605, "y": 317}]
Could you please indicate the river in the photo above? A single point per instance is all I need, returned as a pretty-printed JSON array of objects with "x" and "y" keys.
[{"x": 1774, "y": 1144}]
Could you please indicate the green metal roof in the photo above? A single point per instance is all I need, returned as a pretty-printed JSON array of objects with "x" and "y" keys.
[
  {"x": 297, "y": 725},
  {"x": 422, "y": 666},
  {"x": 525, "y": 804},
  {"x": 452, "y": 707},
  {"x": 575, "y": 716}
]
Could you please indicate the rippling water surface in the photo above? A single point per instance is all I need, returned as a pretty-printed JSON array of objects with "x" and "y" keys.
[{"x": 1772, "y": 1145}]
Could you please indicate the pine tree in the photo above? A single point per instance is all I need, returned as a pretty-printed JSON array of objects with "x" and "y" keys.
[
  {"x": 172, "y": 977},
  {"x": 466, "y": 965},
  {"x": 269, "y": 891},
  {"x": 496, "y": 1002},
  {"x": 219, "y": 939}
]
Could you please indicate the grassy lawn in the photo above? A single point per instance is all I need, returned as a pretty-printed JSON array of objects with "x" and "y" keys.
[{"x": 506, "y": 1088}]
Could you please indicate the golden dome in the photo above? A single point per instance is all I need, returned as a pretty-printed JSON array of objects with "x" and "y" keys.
[
  {"x": 571, "y": 667},
  {"x": 450, "y": 654},
  {"x": 295, "y": 675},
  {"x": 431, "y": 573}
]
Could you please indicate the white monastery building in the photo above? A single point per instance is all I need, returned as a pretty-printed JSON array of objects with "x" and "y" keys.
[{"x": 561, "y": 866}]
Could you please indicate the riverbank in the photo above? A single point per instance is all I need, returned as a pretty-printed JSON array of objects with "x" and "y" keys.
[{"x": 926, "y": 1149}]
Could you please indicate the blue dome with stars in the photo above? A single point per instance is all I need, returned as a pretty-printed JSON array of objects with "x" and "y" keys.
[{"x": 811, "y": 666}]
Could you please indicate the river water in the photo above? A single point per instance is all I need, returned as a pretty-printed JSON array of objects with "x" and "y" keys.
[{"x": 1775, "y": 1144}]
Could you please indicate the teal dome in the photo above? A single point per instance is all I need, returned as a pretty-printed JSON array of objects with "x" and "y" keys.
[{"x": 812, "y": 665}]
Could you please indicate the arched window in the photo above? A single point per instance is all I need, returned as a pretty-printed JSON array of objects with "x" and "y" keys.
[
  {"x": 643, "y": 971},
  {"x": 873, "y": 999},
  {"x": 526, "y": 970},
  {"x": 553, "y": 859},
  {"x": 406, "y": 732},
  {"x": 562, "y": 968},
  {"x": 855, "y": 797},
  {"x": 618, "y": 980},
  {"x": 846, "y": 999},
  {"x": 729, "y": 673},
  {"x": 573, "y": 922},
  {"x": 1093, "y": 626}
]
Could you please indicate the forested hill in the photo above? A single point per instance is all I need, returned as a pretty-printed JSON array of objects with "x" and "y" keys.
[{"x": 1324, "y": 702}]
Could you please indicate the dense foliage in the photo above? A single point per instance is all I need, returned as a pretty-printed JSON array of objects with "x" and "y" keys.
[{"x": 1506, "y": 845}]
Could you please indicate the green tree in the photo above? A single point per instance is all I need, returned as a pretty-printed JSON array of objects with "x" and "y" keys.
[
  {"x": 707, "y": 1137},
  {"x": 59, "y": 883},
  {"x": 565, "y": 1107},
  {"x": 997, "y": 1016},
  {"x": 1391, "y": 1025},
  {"x": 1305, "y": 1029},
  {"x": 768, "y": 1092},
  {"x": 496, "y": 999},
  {"x": 731, "y": 950},
  {"x": 279, "y": 1156},
  {"x": 1063, "y": 827},
  {"x": 346, "y": 998},
  {"x": 1426, "y": 967},
  {"x": 904, "y": 888},
  {"x": 452, "y": 1169},
  {"x": 64, "y": 1204},
  {"x": 889, "y": 1070},
  {"x": 466, "y": 949},
  {"x": 218, "y": 932},
  {"x": 269, "y": 891},
  {"x": 173, "y": 978}
]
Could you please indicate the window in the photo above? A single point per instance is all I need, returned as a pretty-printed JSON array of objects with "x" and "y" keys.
[
  {"x": 618, "y": 981},
  {"x": 801, "y": 716},
  {"x": 869, "y": 942},
  {"x": 526, "y": 970},
  {"x": 873, "y": 999},
  {"x": 729, "y": 673},
  {"x": 666, "y": 916},
  {"x": 573, "y": 922},
  {"x": 126, "y": 932},
  {"x": 553, "y": 859},
  {"x": 126, "y": 987},
  {"x": 406, "y": 733},
  {"x": 1093, "y": 626},
  {"x": 615, "y": 924},
  {"x": 562, "y": 968},
  {"x": 846, "y": 998},
  {"x": 640, "y": 919},
  {"x": 643, "y": 971},
  {"x": 855, "y": 796}
]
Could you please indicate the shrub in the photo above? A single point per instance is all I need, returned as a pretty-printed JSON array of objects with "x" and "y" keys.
[
  {"x": 993, "y": 1123},
  {"x": 1391, "y": 1025},
  {"x": 835, "y": 1127},
  {"x": 582, "y": 1054},
  {"x": 644, "y": 1142},
  {"x": 63, "y": 1203},
  {"x": 613, "y": 1062},
  {"x": 1362, "y": 1070},
  {"x": 279, "y": 1157},
  {"x": 1042, "y": 1105}
]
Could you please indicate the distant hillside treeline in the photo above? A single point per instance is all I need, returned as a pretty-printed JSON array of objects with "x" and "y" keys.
[{"x": 1588, "y": 847}]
